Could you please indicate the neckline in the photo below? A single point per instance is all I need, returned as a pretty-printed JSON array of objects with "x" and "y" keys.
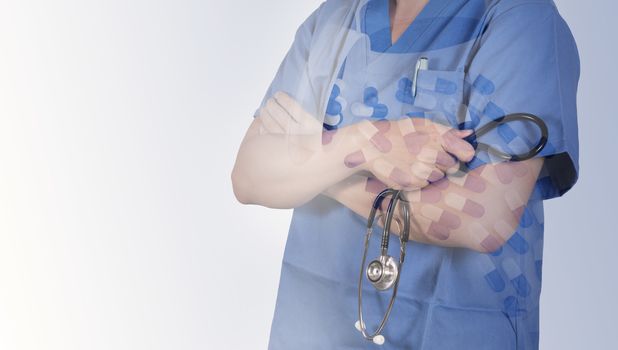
[
  {"x": 390, "y": 23},
  {"x": 377, "y": 24}
]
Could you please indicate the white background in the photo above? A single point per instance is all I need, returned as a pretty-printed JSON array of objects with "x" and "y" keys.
[{"x": 119, "y": 125}]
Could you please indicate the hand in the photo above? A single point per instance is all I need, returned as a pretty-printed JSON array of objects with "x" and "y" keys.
[
  {"x": 281, "y": 114},
  {"x": 408, "y": 153}
]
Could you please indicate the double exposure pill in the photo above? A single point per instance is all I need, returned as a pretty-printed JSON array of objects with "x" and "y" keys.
[
  {"x": 443, "y": 217},
  {"x": 538, "y": 258},
  {"x": 518, "y": 243},
  {"x": 514, "y": 202},
  {"x": 517, "y": 278},
  {"x": 374, "y": 185},
  {"x": 491, "y": 274},
  {"x": 354, "y": 159},
  {"x": 503, "y": 229},
  {"x": 463, "y": 204},
  {"x": 483, "y": 237},
  {"x": 470, "y": 182}
]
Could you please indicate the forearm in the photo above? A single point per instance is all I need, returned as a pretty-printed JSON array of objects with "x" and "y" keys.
[
  {"x": 286, "y": 158},
  {"x": 269, "y": 172},
  {"x": 480, "y": 211}
]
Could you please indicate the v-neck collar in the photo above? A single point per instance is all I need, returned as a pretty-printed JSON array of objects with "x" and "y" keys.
[{"x": 377, "y": 25}]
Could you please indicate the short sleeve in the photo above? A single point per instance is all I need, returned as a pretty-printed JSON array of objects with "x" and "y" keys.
[
  {"x": 289, "y": 76},
  {"x": 527, "y": 62}
]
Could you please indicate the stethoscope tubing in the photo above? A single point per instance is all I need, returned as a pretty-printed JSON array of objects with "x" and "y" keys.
[{"x": 398, "y": 196}]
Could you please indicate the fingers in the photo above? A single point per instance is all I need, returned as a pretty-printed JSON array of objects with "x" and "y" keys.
[
  {"x": 417, "y": 176},
  {"x": 279, "y": 115},
  {"x": 453, "y": 144},
  {"x": 293, "y": 108},
  {"x": 300, "y": 120},
  {"x": 396, "y": 177},
  {"x": 419, "y": 132},
  {"x": 436, "y": 157},
  {"x": 269, "y": 124},
  {"x": 426, "y": 172}
]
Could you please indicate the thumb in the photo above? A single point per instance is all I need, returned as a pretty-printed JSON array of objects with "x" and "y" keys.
[{"x": 464, "y": 133}]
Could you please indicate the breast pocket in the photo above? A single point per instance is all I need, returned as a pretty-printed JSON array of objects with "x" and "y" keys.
[{"x": 440, "y": 94}]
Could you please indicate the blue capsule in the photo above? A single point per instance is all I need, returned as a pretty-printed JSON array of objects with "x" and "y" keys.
[
  {"x": 404, "y": 91},
  {"x": 518, "y": 243},
  {"x": 517, "y": 278},
  {"x": 446, "y": 87},
  {"x": 538, "y": 259},
  {"x": 527, "y": 218},
  {"x": 493, "y": 111},
  {"x": 491, "y": 274},
  {"x": 483, "y": 85},
  {"x": 511, "y": 307}
]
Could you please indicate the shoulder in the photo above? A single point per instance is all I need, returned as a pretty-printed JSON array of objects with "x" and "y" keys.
[{"x": 525, "y": 9}]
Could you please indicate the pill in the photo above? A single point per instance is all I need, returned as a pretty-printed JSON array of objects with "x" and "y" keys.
[
  {"x": 327, "y": 136},
  {"x": 435, "y": 176},
  {"x": 415, "y": 142},
  {"x": 367, "y": 129},
  {"x": 488, "y": 174},
  {"x": 406, "y": 126},
  {"x": 484, "y": 237},
  {"x": 470, "y": 182},
  {"x": 374, "y": 185},
  {"x": 381, "y": 142},
  {"x": 503, "y": 229},
  {"x": 400, "y": 177},
  {"x": 361, "y": 110},
  {"x": 504, "y": 172},
  {"x": 491, "y": 274},
  {"x": 465, "y": 205},
  {"x": 443, "y": 217},
  {"x": 514, "y": 202},
  {"x": 439, "y": 231},
  {"x": 426, "y": 195},
  {"x": 441, "y": 185},
  {"x": 421, "y": 170},
  {"x": 538, "y": 258},
  {"x": 354, "y": 159},
  {"x": 517, "y": 278},
  {"x": 518, "y": 243}
]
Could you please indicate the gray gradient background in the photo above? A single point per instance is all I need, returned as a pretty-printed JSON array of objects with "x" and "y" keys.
[{"x": 119, "y": 124}]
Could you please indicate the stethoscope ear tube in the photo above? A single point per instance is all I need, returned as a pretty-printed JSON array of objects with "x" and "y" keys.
[{"x": 479, "y": 146}]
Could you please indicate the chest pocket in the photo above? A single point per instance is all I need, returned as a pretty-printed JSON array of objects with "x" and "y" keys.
[{"x": 439, "y": 93}]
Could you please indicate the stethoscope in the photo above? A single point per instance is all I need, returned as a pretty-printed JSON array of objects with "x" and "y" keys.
[{"x": 384, "y": 271}]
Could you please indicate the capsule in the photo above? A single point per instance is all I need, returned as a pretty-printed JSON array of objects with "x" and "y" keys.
[
  {"x": 517, "y": 278},
  {"x": 491, "y": 274}
]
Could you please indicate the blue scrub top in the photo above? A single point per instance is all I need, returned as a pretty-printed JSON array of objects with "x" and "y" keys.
[{"x": 493, "y": 56}]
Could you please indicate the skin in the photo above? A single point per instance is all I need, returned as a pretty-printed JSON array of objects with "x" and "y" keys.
[
  {"x": 285, "y": 164},
  {"x": 402, "y": 13},
  {"x": 286, "y": 159}
]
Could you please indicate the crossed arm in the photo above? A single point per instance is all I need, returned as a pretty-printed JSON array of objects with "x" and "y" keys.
[
  {"x": 285, "y": 160},
  {"x": 479, "y": 211}
]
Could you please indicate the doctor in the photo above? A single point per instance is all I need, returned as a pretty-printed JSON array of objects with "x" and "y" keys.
[{"x": 472, "y": 278}]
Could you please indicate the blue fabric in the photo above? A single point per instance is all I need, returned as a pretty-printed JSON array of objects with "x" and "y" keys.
[{"x": 496, "y": 57}]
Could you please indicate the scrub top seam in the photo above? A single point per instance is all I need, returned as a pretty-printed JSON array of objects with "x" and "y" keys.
[{"x": 557, "y": 70}]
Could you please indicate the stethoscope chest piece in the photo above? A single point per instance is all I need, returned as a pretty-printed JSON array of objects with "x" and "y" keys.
[{"x": 382, "y": 272}]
